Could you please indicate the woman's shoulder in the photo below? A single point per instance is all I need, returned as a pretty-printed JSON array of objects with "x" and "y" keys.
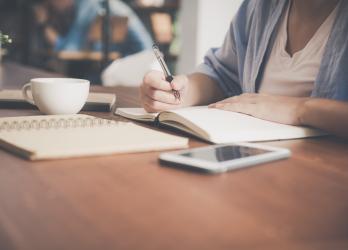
[
  {"x": 250, "y": 8},
  {"x": 257, "y": 15}
]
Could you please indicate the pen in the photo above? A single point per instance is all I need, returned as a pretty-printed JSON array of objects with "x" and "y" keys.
[{"x": 168, "y": 75}]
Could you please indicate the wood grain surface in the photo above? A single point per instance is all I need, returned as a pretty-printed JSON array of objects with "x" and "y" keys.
[{"x": 131, "y": 202}]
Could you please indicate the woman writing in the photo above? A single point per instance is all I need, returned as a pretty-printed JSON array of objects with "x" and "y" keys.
[{"x": 282, "y": 60}]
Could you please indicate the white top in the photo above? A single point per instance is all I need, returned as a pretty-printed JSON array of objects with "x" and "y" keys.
[{"x": 295, "y": 76}]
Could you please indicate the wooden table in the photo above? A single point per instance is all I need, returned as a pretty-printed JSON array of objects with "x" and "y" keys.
[{"x": 131, "y": 202}]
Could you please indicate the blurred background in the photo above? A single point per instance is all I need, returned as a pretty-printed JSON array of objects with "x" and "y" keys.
[{"x": 85, "y": 38}]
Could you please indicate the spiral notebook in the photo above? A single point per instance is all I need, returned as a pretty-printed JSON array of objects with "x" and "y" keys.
[{"x": 65, "y": 136}]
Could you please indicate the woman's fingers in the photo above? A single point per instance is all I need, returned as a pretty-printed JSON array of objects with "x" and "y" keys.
[
  {"x": 179, "y": 82},
  {"x": 157, "y": 94},
  {"x": 162, "y": 96},
  {"x": 244, "y": 98},
  {"x": 239, "y": 107},
  {"x": 245, "y": 103},
  {"x": 154, "y": 106},
  {"x": 156, "y": 80}
]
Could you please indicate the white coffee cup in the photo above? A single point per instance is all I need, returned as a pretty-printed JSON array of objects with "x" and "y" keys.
[{"x": 57, "y": 96}]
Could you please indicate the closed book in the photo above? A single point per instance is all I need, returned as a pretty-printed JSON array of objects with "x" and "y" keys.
[{"x": 102, "y": 102}]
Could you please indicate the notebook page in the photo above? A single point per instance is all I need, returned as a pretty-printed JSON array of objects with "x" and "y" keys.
[
  {"x": 138, "y": 114},
  {"x": 225, "y": 126}
]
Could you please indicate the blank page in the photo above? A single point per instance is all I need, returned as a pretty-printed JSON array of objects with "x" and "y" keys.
[{"x": 225, "y": 126}]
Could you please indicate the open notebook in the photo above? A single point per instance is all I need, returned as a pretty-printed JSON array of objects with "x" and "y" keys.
[
  {"x": 64, "y": 136},
  {"x": 220, "y": 126}
]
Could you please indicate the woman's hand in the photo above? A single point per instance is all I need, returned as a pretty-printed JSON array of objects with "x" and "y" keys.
[
  {"x": 156, "y": 93},
  {"x": 281, "y": 109}
]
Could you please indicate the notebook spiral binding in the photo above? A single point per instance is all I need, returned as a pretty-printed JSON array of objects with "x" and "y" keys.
[{"x": 53, "y": 123}]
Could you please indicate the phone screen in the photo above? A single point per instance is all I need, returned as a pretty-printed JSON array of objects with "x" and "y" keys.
[{"x": 224, "y": 153}]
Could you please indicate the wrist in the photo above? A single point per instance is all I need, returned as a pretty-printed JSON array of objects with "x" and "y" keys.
[
  {"x": 304, "y": 112},
  {"x": 185, "y": 93},
  {"x": 192, "y": 98}
]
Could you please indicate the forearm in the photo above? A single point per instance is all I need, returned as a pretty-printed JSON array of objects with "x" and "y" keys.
[
  {"x": 325, "y": 114},
  {"x": 202, "y": 90}
]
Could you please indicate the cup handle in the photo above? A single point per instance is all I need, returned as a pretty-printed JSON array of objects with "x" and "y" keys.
[{"x": 25, "y": 89}]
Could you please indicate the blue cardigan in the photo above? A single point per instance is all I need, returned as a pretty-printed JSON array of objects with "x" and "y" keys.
[{"x": 239, "y": 64}]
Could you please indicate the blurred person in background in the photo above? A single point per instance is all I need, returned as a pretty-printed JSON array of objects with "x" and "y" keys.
[{"x": 66, "y": 25}]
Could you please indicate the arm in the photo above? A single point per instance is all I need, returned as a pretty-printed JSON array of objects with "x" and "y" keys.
[
  {"x": 202, "y": 90},
  {"x": 215, "y": 79},
  {"x": 219, "y": 76},
  {"x": 325, "y": 114}
]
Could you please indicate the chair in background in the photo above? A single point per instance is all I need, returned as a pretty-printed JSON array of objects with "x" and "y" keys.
[
  {"x": 118, "y": 33},
  {"x": 91, "y": 58}
]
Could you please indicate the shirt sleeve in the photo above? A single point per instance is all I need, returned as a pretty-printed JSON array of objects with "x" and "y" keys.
[{"x": 221, "y": 64}]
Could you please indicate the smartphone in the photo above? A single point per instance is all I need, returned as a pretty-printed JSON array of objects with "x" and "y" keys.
[{"x": 222, "y": 158}]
